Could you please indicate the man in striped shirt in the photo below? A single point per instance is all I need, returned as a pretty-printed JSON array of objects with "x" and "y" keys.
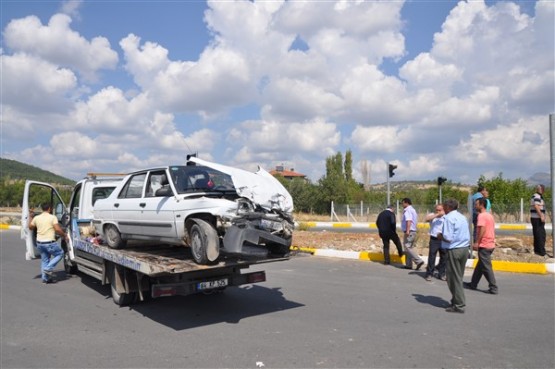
[{"x": 537, "y": 218}]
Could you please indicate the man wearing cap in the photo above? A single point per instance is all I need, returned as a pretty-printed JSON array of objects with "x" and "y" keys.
[
  {"x": 537, "y": 218},
  {"x": 387, "y": 228},
  {"x": 51, "y": 253}
]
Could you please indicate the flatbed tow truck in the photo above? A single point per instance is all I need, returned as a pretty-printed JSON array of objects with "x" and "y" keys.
[{"x": 142, "y": 270}]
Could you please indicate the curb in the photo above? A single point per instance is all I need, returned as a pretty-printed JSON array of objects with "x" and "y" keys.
[
  {"x": 498, "y": 265},
  {"x": 502, "y": 266},
  {"x": 363, "y": 225},
  {"x": 7, "y": 226}
]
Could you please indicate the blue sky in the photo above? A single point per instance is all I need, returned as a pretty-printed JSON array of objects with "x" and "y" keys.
[{"x": 457, "y": 89}]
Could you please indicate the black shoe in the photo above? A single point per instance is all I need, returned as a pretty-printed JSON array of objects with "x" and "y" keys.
[
  {"x": 49, "y": 281},
  {"x": 419, "y": 265},
  {"x": 453, "y": 309},
  {"x": 386, "y": 263},
  {"x": 492, "y": 291},
  {"x": 469, "y": 286},
  {"x": 407, "y": 267}
]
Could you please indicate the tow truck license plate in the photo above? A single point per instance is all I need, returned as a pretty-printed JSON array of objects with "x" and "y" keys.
[{"x": 212, "y": 284}]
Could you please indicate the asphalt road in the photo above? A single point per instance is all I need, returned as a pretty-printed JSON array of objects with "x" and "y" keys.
[{"x": 311, "y": 313}]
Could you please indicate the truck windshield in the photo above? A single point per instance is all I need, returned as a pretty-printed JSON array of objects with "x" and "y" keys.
[{"x": 196, "y": 178}]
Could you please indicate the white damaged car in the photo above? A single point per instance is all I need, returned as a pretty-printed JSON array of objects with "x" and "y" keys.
[{"x": 206, "y": 206}]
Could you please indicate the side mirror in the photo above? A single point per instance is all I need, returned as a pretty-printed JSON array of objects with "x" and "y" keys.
[
  {"x": 164, "y": 191},
  {"x": 65, "y": 220}
]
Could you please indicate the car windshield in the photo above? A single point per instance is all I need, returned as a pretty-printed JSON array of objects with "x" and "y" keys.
[{"x": 195, "y": 178}]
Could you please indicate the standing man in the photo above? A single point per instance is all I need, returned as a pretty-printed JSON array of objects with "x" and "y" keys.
[
  {"x": 408, "y": 225},
  {"x": 455, "y": 238},
  {"x": 436, "y": 225},
  {"x": 51, "y": 253},
  {"x": 387, "y": 228},
  {"x": 537, "y": 218},
  {"x": 484, "y": 244},
  {"x": 481, "y": 192}
]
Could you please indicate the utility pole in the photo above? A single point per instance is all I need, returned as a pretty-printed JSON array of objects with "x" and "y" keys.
[{"x": 390, "y": 169}]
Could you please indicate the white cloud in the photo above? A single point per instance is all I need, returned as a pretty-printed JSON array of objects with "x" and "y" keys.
[{"x": 58, "y": 44}]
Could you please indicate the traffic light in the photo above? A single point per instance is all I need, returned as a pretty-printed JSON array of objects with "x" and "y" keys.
[
  {"x": 392, "y": 167},
  {"x": 440, "y": 180}
]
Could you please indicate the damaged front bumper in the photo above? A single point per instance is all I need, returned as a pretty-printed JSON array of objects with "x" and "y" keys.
[{"x": 258, "y": 235}]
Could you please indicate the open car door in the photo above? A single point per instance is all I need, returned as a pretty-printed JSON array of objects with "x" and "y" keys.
[{"x": 35, "y": 194}]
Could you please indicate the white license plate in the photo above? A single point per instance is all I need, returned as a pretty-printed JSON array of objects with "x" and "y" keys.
[
  {"x": 268, "y": 224},
  {"x": 212, "y": 284}
]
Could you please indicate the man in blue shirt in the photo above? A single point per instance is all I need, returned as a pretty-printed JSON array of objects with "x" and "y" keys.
[
  {"x": 408, "y": 226},
  {"x": 455, "y": 238}
]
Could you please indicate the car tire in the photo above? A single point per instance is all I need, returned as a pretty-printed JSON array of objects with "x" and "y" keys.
[
  {"x": 204, "y": 242},
  {"x": 113, "y": 237}
]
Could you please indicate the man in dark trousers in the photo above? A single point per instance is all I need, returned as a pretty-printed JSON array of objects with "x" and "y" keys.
[{"x": 387, "y": 227}]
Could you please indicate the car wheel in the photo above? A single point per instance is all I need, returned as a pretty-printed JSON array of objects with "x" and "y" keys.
[
  {"x": 113, "y": 237},
  {"x": 204, "y": 242}
]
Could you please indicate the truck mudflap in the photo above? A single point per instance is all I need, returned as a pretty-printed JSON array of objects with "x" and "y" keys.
[{"x": 206, "y": 285}]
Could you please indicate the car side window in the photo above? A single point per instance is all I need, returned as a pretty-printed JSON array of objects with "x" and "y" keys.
[
  {"x": 134, "y": 187},
  {"x": 155, "y": 181}
]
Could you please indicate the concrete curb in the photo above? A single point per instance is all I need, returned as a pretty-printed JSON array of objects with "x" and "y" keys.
[
  {"x": 7, "y": 226},
  {"x": 362, "y": 225},
  {"x": 502, "y": 266}
]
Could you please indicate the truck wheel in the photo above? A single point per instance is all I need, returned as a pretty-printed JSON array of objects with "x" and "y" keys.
[
  {"x": 121, "y": 299},
  {"x": 69, "y": 267},
  {"x": 205, "y": 245},
  {"x": 113, "y": 237}
]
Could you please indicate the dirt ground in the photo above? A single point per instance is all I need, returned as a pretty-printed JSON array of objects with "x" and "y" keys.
[{"x": 518, "y": 248}]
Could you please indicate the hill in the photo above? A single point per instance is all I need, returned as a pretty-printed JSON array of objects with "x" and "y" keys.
[{"x": 15, "y": 170}]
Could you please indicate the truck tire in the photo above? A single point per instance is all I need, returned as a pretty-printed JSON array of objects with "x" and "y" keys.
[
  {"x": 121, "y": 299},
  {"x": 69, "y": 267},
  {"x": 113, "y": 237},
  {"x": 205, "y": 245}
]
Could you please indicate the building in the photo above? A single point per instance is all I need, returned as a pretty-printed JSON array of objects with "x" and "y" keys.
[{"x": 287, "y": 174}]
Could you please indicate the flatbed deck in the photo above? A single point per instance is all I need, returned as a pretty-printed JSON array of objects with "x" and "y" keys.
[{"x": 159, "y": 260}]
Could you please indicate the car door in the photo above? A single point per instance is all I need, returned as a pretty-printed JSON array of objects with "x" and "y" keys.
[
  {"x": 34, "y": 195},
  {"x": 157, "y": 207}
]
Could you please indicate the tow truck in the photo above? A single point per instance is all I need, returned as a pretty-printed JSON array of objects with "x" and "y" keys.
[{"x": 143, "y": 270}]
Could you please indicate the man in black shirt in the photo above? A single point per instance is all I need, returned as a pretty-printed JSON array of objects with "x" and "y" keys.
[{"x": 387, "y": 227}]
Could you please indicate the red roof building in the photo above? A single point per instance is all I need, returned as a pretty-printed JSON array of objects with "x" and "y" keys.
[{"x": 287, "y": 174}]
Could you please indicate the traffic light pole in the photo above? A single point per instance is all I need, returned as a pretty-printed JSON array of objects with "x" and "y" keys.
[{"x": 388, "y": 193}]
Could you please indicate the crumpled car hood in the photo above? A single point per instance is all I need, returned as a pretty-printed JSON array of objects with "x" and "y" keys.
[{"x": 260, "y": 187}]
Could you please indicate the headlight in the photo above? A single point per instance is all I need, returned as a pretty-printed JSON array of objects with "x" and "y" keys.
[{"x": 244, "y": 206}]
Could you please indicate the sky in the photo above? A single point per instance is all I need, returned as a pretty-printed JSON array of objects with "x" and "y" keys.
[{"x": 438, "y": 88}]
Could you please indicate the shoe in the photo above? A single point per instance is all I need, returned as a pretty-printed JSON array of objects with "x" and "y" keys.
[
  {"x": 443, "y": 278},
  {"x": 407, "y": 267},
  {"x": 469, "y": 286},
  {"x": 419, "y": 265},
  {"x": 49, "y": 273},
  {"x": 492, "y": 291},
  {"x": 429, "y": 278},
  {"x": 452, "y": 309},
  {"x": 49, "y": 281},
  {"x": 386, "y": 263}
]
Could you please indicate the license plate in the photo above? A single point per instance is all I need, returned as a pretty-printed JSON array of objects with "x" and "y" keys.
[
  {"x": 212, "y": 284},
  {"x": 268, "y": 224}
]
